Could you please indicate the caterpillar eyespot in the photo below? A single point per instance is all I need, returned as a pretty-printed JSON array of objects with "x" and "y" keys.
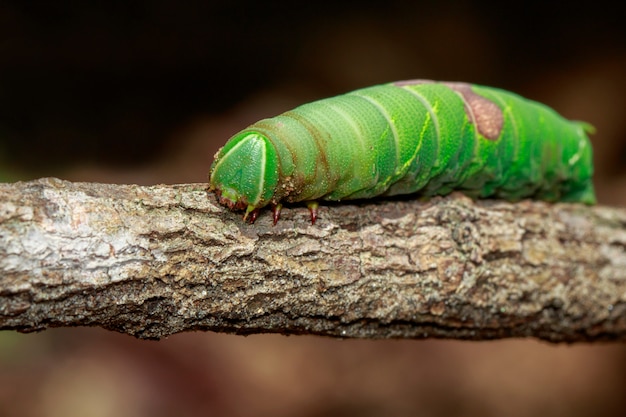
[{"x": 415, "y": 136}]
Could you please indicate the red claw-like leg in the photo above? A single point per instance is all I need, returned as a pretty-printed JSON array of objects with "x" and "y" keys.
[
  {"x": 313, "y": 205},
  {"x": 251, "y": 214},
  {"x": 276, "y": 208}
]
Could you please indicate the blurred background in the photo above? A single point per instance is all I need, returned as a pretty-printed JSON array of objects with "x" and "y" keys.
[{"x": 146, "y": 92}]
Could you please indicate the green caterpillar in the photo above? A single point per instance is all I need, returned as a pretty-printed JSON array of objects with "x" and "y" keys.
[{"x": 416, "y": 136}]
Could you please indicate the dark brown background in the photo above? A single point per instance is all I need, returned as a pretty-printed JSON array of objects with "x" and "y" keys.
[{"x": 145, "y": 92}]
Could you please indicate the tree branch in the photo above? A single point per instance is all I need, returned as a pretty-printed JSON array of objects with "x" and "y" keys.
[{"x": 153, "y": 261}]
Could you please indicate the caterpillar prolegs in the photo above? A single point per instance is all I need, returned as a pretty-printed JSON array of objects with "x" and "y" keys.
[{"x": 416, "y": 136}]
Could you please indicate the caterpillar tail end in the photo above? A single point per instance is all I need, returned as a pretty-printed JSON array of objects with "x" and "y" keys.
[{"x": 586, "y": 195}]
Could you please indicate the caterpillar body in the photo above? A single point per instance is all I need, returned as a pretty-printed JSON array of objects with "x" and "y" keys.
[{"x": 416, "y": 136}]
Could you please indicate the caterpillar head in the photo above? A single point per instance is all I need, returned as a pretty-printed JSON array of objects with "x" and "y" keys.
[{"x": 244, "y": 174}]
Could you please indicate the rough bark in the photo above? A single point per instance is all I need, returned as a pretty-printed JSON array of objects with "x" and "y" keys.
[{"x": 153, "y": 261}]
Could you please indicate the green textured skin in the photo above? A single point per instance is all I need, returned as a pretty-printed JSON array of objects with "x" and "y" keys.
[{"x": 407, "y": 137}]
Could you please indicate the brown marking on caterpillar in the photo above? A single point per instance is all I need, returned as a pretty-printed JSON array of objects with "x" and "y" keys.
[
  {"x": 480, "y": 110},
  {"x": 413, "y": 82}
]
